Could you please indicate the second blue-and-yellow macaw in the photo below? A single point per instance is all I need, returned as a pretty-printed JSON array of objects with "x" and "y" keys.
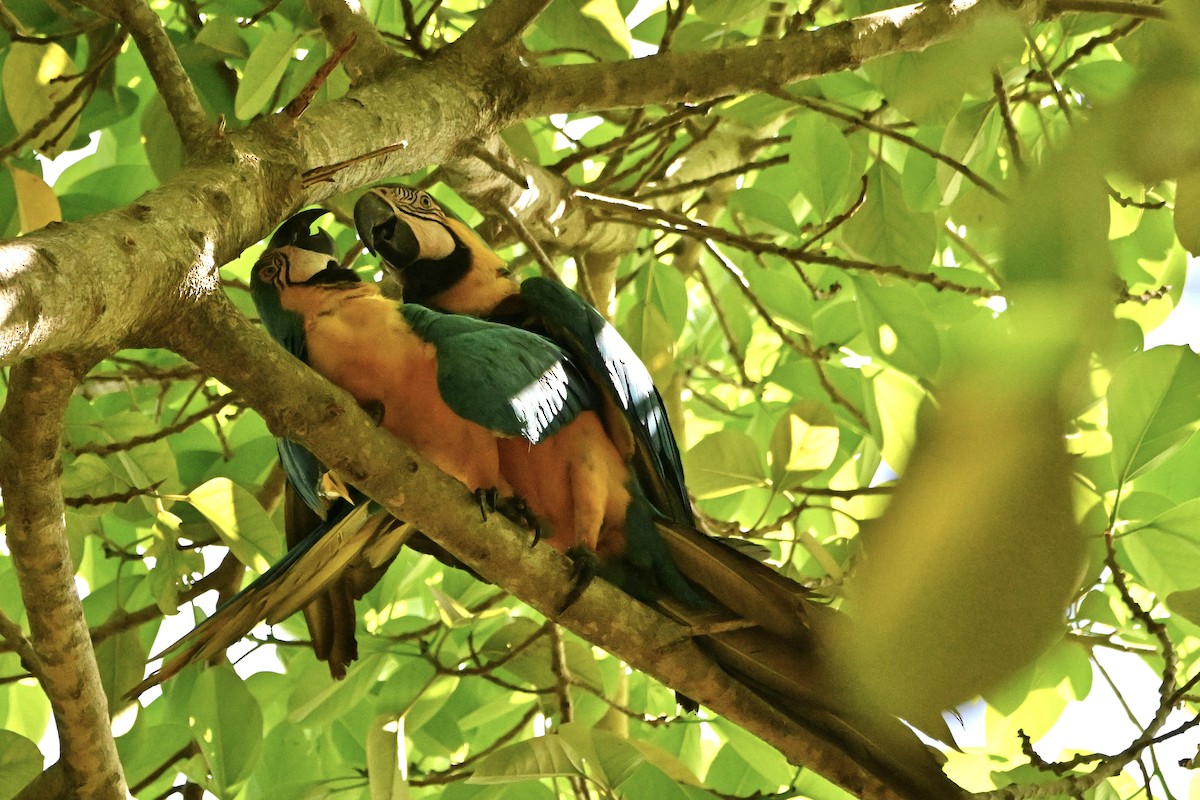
[{"x": 444, "y": 265}]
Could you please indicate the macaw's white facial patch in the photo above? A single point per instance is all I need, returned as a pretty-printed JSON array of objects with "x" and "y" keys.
[
  {"x": 303, "y": 264},
  {"x": 433, "y": 237}
]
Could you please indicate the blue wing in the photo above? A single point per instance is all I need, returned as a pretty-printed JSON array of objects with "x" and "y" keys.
[{"x": 633, "y": 409}]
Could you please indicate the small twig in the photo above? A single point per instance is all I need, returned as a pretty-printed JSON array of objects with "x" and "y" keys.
[
  {"x": 835, "y": 223},
  {"x": 734, "y": 351},
  {"x": 1129, "y": 202},
  {"x": 1046, "y": 73},
  {"x": 267, "y": 9},
  {"x": 11, "y": 632},
  {"x": 162, "y": 433},
  {"x": 1145, "y": 298},
  {"x": 326, "y": 173},
  {"x": 506, "y": 169},
  {"x": 531, "y": 243},
  {"x": 116, "y": 497},
  {"x": 1010, "y": 129},
  {"x": 1106, "y": 7},
  {"x": 302, "y": 100},
  {"x": 647, "y": 216},
  {"x": 861, "y": 121}
]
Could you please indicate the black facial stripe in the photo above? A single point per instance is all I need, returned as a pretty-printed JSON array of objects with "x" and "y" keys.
[{"x": 427, "y": 277}]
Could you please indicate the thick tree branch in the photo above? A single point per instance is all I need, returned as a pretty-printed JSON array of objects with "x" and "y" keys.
[
  {"x": 500, "y": 25},
  {"x": 295, "y": 401},
  {"x": 195, "y": 129},
  {"x": 695, "y": 76},
  {"x": 371, "y": 54},
  {"x": 30, "y": 463}
]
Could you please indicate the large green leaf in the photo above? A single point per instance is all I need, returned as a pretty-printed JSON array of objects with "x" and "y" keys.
[
  {"x": 226, "y": 724},
  {"x": 886, "y": 230},
  {"x": 240, "y": 521},
  {"x": 20, "y": 762},
  {"x": 1153, "y": 408},
  {"x": 724, "y": 463},
  {"x": 264, "y": 70}
]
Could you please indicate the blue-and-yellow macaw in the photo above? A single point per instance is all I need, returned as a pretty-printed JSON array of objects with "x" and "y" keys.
[
  {"x": 775, "y": 648},
  {"x": 338, "y": 545}
]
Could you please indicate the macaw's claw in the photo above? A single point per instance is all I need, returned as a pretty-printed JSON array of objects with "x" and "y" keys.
[
  {"x": 488, "y": 500},
  {"x": 374, "y": 409},
  {"x": 517, "y": 511},
  {"x": 585, "y": 564}
]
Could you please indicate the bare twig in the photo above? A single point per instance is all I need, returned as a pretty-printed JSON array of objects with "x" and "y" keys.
[
  {"x": 302, "y": 100},
  {"x": 1139, "y": 10},
  {"x": 326, "y": 173}
]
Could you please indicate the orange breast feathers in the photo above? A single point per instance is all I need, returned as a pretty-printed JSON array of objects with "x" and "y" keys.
[
  {"x": 358, "y": 340},
  {"x": 574, "y": 481}
]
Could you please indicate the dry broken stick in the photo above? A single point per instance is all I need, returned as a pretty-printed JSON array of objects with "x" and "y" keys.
[{"x": 302, "y": 100}]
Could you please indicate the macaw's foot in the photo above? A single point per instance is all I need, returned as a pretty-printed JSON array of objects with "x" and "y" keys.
[
  {"x": 585, "y": 564},
  {"x": 374, "y": 409},
  {"x": 487, "y": 500},
  {"x": 517, "y": 511}
]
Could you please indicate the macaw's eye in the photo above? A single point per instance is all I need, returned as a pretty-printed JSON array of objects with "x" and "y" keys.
[
  {"x": 426, "y": 201},
  {"x": 267, "y": 272}
]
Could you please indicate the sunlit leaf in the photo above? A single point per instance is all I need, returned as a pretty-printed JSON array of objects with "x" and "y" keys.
[
  {"x": 264, "y": 69},
  {"x": 723, "y": 463},
  {"x": 38, "y": 81},
  {"x": 227, "y": 725},
  {"x": 1151, "y": 403},
  {"x": 239, "y": 519},
  {"x": 20, "y": 762}
]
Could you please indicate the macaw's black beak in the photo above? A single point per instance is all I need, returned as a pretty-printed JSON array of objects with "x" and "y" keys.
[
  {"x": 296, "y": 231},
  {"x": 385, "y": 234}
]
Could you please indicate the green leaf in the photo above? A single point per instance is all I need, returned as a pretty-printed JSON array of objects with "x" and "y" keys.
[
  {"x": 264, "y": 69},
  {"x": 36, "y": 78},
  {"x": 240, "y": 521},
  {"x": 1186, "y": 604},
  {"x": 727, "y": 11},
  {"x": 723, "y": 463},
  {"x": 20, "y": 762},
  {"x": 122, "y": 662},
  {"x": 1187, "y": 211},
  {"x": 819, "y": 159},
  {"x": 993, "y": 538},
  {"x": 227, "y": 724},
  {"x": 544, "y": 757},
  {"x": 898, "y": 327},
  {"x": 596, "y": 26},
  {"x": 805, "y": 442},
  {"x": 764, "y": 207},
  {"x": 1153, "y": 408},
  {"x": 887, "y": 231}
]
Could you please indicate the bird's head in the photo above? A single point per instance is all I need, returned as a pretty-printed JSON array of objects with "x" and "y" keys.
[
  {"x": 295, "y": 255},
  {"x": 429, "y": 249}
]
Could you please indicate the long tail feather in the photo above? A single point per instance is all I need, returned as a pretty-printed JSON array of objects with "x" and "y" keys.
[
  {"x": 309, "y": 569},
  {"x": 740, "y": 583}
]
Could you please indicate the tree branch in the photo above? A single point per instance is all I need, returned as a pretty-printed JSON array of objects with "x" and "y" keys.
[
  {"x": 500, "y": 25},
  {"x": 370, "y": 55},
  {"x": 195, "y": 129},
  {"x": 1128, "y": 9},
  {"x": 31, "y": 431},
  {"x": 329, "y": 423},
  {"x": 696, "y": 76}
]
